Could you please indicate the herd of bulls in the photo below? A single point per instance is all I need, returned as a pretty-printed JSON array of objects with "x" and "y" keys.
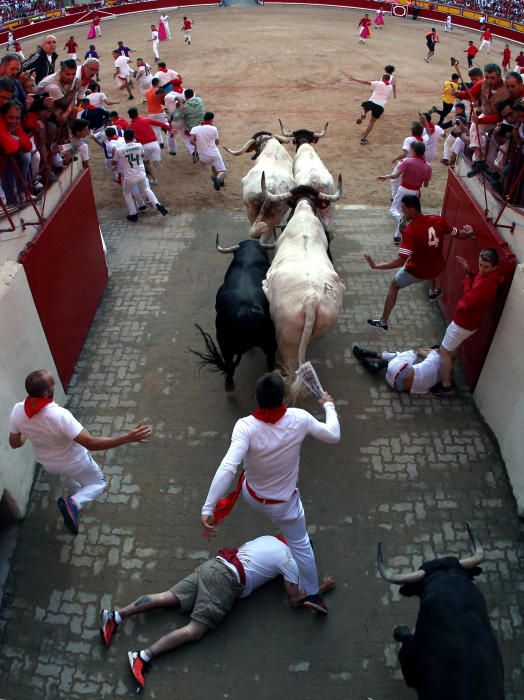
[
  {"x": 283, "y": 305},
  {"x": 297, "y": 298}
]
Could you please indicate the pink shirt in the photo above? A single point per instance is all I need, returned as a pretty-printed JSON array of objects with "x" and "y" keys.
[{"x": 415, "y": 172}]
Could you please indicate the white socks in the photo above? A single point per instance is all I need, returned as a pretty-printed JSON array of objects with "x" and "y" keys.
[
  {"x": 144, "y": 656},
  {"x": 388, "y": 355},
  {"x": 118, "y": 617}
]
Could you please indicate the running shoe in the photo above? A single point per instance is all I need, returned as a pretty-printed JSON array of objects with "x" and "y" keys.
[
  {"x": 107, "y": 626},
  {"x": 69, "y": 512},
  {"x": 441, "y": 390},
  {"x": 364, "y": 142},
  {"x": 216, "y": 182},
  {"x": 132, "y": 217},
  {"x": 138, "y": 667},
  {"x": 361, "y": 353},
  {"x": 377, "y": 323},
  {"x": 143, "y": 207},
  {"x": 161, "y": 208},
  {"x": 397, "y": 240},
  {"x": 316, "y": 604},
  {"x": 196, "y": 157},
  {"x": 434, "y": 294},
  {"x": 374, "y": 366}
]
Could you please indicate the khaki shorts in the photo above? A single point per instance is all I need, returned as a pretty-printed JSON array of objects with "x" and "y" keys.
[{"x": 208, "y": 593}]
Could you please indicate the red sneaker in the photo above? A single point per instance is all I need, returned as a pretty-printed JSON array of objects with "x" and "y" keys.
[
  {"x": 138, "y": 667},
  {"x": 316, "y": 604},
  {"x": 107, "y": 626}
]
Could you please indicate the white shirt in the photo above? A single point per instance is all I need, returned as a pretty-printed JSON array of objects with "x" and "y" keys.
[
  {"x": 97, "y": 99},
  {"x": 154, "y": 35},
  {"x": 143, "y": 73},
  {"x": 271, "y": 453},
  {"x": 264, "y": 559},
  {"x": 169, "y": 100},
  {"x": 406, "y": 146},
  {"x": 427, "y": 372},
  {"x": 206, "y": 135},
  {"x": 164, "y": 18},
  {"x": 431, "y": 141},
  {"x": 130, "y": 160},
  {"x": 58, "y": 90},
  {"x": 381, "y": 92},
  {"x": 122, "y": 64},
  {"x": 165, "y": 76},
  {"x": 51, "y": 432},
  {"x": 110, "y": 146}
]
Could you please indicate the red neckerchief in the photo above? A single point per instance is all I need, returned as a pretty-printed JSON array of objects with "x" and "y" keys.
[
  {"x": 84, "y": 81},
  {"x": 33, "y": 405},
  {"x": 269, "y": 415},
  {"x": 230, "y": 555},
  {"x": 206, "y": 122},
  {"x": 281, "y": 537},
  {"x": 162, "y": 70},
  {"x": 90, "y": 106},
  {"x": 419, "y": 138}
]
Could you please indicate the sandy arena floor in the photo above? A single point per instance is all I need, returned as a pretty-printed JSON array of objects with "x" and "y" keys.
[{"x": 253, "y": 65}]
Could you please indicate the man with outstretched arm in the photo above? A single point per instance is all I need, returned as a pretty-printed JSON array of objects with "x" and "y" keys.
[
  {"x": 209, "y": 593},
  {"x": 268, "y": 442},
  {"x": 61, "y": 443}
]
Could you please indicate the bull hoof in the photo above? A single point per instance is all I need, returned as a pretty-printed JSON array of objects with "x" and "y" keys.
[
  {"x": 401, "y": 632},
  {"x": 229, "y": 385}
]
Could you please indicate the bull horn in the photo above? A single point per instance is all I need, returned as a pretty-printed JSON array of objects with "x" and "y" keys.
[
  {"x": 333, "y": 197},
  {"x": 478, "y": 552},
  {"x": 231, "y": 249},
  {"x": 269, "y": 195},
  {"x": 241, "y": 150},
  {"x": 320, "y": 134},
  {"x": 284, "y": 132},
  {"x": 282, "y": 139},
  {"x": 414, "y": 577}
]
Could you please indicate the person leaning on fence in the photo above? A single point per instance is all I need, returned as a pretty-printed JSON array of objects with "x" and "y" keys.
[
  {"x": 14, "y": 143},
  {"x": 61, "y": 443}
]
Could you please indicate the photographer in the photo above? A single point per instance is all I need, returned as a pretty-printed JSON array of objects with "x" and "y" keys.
[{"x": 459, "y": 126}]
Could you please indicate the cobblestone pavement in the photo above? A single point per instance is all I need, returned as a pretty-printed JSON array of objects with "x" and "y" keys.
[{"x": 409, "y": 471}]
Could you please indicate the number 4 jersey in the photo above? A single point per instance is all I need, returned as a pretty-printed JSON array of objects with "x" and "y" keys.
[
  {"x": 422, "y": 243},
  {"x": 130, "y": 159}
]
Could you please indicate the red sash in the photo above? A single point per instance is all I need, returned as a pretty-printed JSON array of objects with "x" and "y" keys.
[{"x": 230, "y": 555}]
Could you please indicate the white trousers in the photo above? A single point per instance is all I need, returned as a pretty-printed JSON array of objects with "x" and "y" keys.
[
  {"x": 155, "y": 49},
  {"x": 98, "y": 30},
  {"x": 396, "y": 205},
  {"x": 476, "y": 130},
  {"x": 162, "y": 117},
  {"x": 185, "y": 138},
  {"x": 86, "y": 479},
  {"x": 168, "y": 31},
  {"x": 131, "y": 185},
  {"x": 290, "y": 518},
  {"x": 448, "y": 143},
  {"x": 187, "y": 35},
  {"x": 485, "y": 43}
]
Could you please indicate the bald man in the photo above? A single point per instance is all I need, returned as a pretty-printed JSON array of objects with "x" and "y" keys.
[
  {"x": 42, "y": 62},
  {"x": 61, "y": 443}
]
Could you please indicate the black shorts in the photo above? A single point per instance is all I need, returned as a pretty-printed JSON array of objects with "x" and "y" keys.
[
  {"x": 376, "y": 110},
  {"x": 430, "y": 45}
]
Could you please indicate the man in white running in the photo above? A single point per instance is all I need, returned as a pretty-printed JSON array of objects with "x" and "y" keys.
[
  {"x": 154, "y": 40},
  {"x": 122, "y": 71},
  {"x": 209, "y": 593},
  {"x": 129, "y": 161},
  {"x": 61, "y": 443},
  {"x": 382, "y": 89},
  {"x": 404, "y": 373},
  {"x": 205, "y": 139},
  {"x": 143, "y": 76},
  {"x": 268, "y": 442}
]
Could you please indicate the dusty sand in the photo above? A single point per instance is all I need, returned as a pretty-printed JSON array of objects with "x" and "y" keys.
[{"x": 252, "y": 65}]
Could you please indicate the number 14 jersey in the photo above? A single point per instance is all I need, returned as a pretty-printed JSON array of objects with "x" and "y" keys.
[
  {"x": 130, "y": 159},
  {"x": 422, "y": 243}
]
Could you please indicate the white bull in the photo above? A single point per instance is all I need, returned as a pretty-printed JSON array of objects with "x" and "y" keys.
[
  {"x": 273, "y": 159},
  {"x": 308, "y": 169},
  {"x": 305, "y": 293}
]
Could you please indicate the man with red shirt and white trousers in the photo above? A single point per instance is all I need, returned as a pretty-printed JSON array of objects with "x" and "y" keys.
[
  {"x": 485, "y": 40},
  {"x": 268, "y": 443},
  {"x": 420, "y": 254},
  {"x": 480, "y": 291},
  {"x": 144, "y": 134},
  {"x": 413, "y": 173},
  {"x": 209, "y": 593},
  {"x": 61, "y": 443}
]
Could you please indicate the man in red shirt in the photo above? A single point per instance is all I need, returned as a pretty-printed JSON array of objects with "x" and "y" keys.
[
  {"x": 144, "y": 134},
  {"x": 480, "y": 291},
  {"x": 472, "y": 51},
  {"x": 506, "y": 58},
  {"x": 485, "y": 40},
  {"x": 520, "y": 62},
  {"x": 414, "y": 173},
  {"x": 71, "y": 47},
  {"x": 420, "y": 254}
]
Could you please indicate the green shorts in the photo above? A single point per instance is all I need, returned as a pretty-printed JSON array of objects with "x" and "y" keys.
[{"x": 208, "y": 593}]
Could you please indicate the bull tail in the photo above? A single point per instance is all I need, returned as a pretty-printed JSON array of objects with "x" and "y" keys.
[
  {"x": 310, "y": 306},
  {"x": 211, "y": 359},
  {"x": 259, "y": 229}
]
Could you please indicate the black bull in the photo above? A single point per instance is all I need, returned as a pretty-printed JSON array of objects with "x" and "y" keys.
[
  {"x": 242, "y": 321},
  {"x": 453, "y": 653}
]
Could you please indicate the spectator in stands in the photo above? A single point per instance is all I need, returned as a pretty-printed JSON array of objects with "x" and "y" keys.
[
  {"x": 65, "y": 89},
  {"x": 480, "y": 291},
  {"x": 14, "y": 142},
  {"x": 42, "y": 62},
  {"x": 515, "y": 86},
  {"x": 7, "y": 90},
  {"x": 10, "y": 65}
]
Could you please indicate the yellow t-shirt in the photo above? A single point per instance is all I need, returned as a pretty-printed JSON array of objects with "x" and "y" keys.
[{"x": 447, "y": 97}]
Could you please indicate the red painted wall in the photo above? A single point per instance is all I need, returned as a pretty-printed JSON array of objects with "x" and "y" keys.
[
  {"x": 67, "y": 274},
  {"x": 460, "y": 208}
]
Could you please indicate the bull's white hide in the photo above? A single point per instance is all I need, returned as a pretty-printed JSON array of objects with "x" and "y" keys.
[
  {"x": 308, "y": 169},
  {"x": 305, "y": 293},
  {"x": 277, "y": 164}
]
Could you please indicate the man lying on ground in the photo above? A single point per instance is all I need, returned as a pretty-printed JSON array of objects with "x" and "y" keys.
[{"x": 402, "y": 373}]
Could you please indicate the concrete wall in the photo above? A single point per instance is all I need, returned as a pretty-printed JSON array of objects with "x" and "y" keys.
[
  {"x": 24, "y": 348},
  {"x": 500, "y": 389}
]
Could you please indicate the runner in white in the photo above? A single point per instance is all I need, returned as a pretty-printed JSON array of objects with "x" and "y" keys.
[
  {"x": 143, "y": 76},
  {"x": 61, "y": 443},
  {"x": 448, "y": 26},
  {"x": 129, "y": 161},
  {"x": 122, "y": 71},
  {"x": 268, "y": 442},
  {"x": 154, "y": 39},
  {"x": 205, "y": 139},
  {"x": 209, "y": 593},
  {"x": 404, "y": 373},
  {"x": 382, "y": 89}
]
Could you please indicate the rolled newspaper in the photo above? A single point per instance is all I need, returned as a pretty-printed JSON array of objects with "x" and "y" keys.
[{"x": 306, "y": 373}]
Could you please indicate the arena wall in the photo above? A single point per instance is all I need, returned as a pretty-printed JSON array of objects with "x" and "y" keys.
[
  {"x": 462, "y": 17},
  {"x": 499, "y": 393},
  {"x": 24, "y": 348}
]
